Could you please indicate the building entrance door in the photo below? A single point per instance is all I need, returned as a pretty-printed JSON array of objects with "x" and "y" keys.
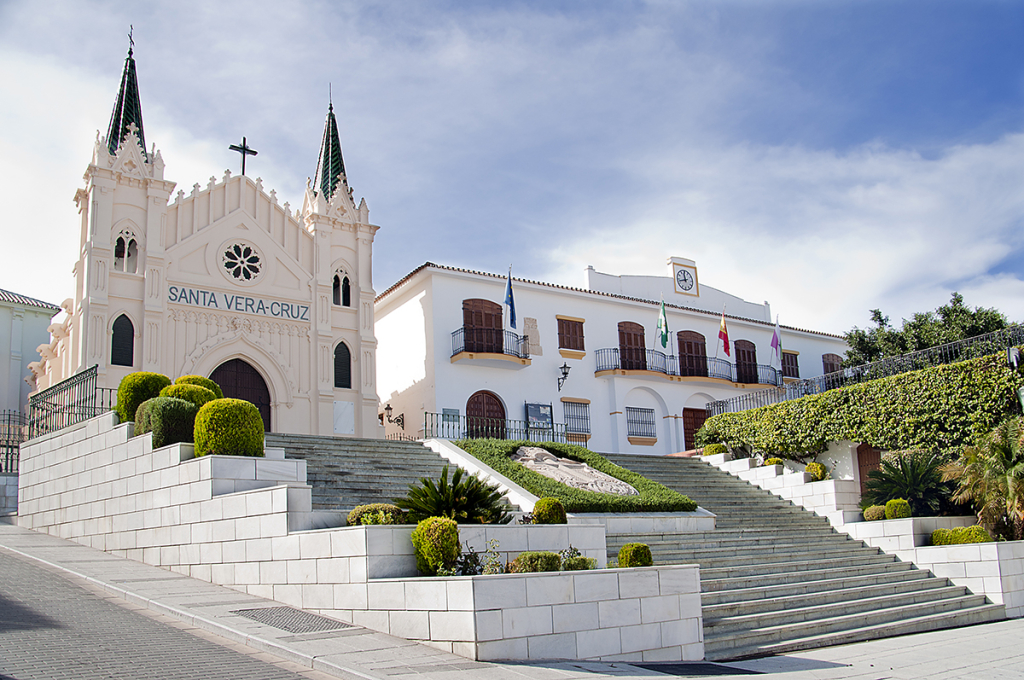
[
  {"x": 239, "y": 380},
  {"x": 868, "y": 459},
  {"x": 485, "y": 416},
  {"x": 693, "y": 419}
]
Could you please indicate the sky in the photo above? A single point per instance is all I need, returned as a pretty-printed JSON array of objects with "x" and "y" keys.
[{"x": 828, "y": 157}]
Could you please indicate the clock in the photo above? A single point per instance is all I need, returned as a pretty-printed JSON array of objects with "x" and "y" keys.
[{"x": 684, "y": 279}]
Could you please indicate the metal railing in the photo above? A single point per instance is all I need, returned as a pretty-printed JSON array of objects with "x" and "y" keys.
[
  {"x": 614, "y": 358},
  {"x": 68, "y": 402},
  {"x": 13, "y": 431},
  {"x": 444, "y": 426},
  {"x": 961, "y": 350},
  {"x": 490, "y": 341}
]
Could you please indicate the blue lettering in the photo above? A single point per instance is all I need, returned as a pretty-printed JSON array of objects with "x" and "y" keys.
[
  {"x": 228, "y": 301},
  {"x": 213, "y": 299},
  {"x": 275, "y": 313},
  {"x": 261, "y": 308},
  {"x": 193, "y": 297},
  {"x": 305, "y": 313},
  {"x": 172, "y": 293},
  {"x": 249, "y": 305}
]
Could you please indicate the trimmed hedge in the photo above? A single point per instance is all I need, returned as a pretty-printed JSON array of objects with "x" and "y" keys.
[
  {"x": 535, "y": 560},
  {"x": 713, "y": 449},
  {"x": 136, "y": 388},
  {"x": 897, "y": 508},
  {"x": 773, "y": 461},
  {"x": 395, "y": 513},
  {"x": 960, "y": 535},
  {"x": 171, "y": 420},
  {"x": 817, "y": 471},
  {"x": 635, "y": 555},
  {"x": 943, "y": 407},
  {"x": 436, "y": 540},
  {"x": 229, "y": 427},
  {"x": 874, "y": 513},
  {"x": 196, "y": 394},
  {"x": 578, "y": 563},
  {"x": 653, "y": 496},
  {"x": 202, "y": 382},
  {"x": 549, "y": 511}
]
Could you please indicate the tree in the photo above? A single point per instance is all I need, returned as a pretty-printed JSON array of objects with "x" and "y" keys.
[{"x": 949, "y": 323}]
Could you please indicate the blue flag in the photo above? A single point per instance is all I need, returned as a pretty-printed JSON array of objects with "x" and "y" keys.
[{"x": 510, "y": 301}]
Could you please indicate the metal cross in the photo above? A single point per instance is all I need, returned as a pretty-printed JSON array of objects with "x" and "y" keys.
[
  {"x": 131, "y": 41},
  {"x": 244, "y": 150}
]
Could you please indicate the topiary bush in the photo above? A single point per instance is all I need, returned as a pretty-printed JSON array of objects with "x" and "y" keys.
[
  {"x": 136, "y": 388},
  {"x": 229, "y": 427},
  {"x": 579, "y": 563},
  {"x": 436, "y": 540},
  {"x": 959, "y": 535},
  {"x": 897, "y": 508},
  {"x": 653, "y": 497},
  {"x": 635, "y": 555},
  {"x": 774, "y": 461},
  {"x": 817, "y": 471},
  {"x": 197, "y": 394},
  {"x": 395, "y": 513},
  {"x": 171, "y": 420},
  {"x": 940, "y": 537},
  {"x": 874, "y": 513},
  {"x": 549, "y": 511},
  {"x": 535, "y": 560},
  {"x": 202, "y": 382},
  {"x": 468, "y": 499},
  {"x": 714, "y": 449}
]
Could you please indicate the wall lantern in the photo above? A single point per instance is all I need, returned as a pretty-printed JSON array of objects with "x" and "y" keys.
[
  {"x": 397, "y": 420},
  {"x": 565, "y": 374}
]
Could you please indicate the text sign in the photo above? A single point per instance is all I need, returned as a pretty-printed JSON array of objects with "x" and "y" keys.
[{"x": 198, "y": 297}]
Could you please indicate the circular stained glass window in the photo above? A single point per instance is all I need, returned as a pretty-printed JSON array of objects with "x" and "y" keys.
[{"x": 242, "y": 262}]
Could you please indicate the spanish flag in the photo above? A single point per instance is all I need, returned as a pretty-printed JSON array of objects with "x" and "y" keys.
[{"x": 723, "y": 335}]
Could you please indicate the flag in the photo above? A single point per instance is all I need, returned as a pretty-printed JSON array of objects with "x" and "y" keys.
[
  {"x": 723, "y": 335},
  {"x": 510, "y": 301},
  {"x": 663, "y": 326},
  {"x": 777, "y": 341}
]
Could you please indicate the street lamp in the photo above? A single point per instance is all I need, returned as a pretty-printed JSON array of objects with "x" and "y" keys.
[
  {"x": 565, "y": 374},
  {"x": 397, "y": 420}
]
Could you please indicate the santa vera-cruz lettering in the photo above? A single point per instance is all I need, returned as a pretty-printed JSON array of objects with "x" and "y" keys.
[{"x": 197, "y": 297}]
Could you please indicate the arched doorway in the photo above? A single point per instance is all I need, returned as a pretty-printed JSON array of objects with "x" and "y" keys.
[
  {"x": 239, "y": 380},
  {"x": 632, "y": 352},
  {"x": 485, "y": 416}
]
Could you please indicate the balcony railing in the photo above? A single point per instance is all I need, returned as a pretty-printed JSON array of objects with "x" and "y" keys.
[
  {"x": 969, "y": 348},
  {"x": 69, "y": 402},
  {"x": 445, "y": 426},
  {"x": 13, "y": 431},
  {"x": 490, "y": 341},
  {"x": 638, "y": 359}
]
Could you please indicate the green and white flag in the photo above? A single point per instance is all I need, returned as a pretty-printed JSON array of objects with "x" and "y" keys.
[{"x": 663, "y": 326}]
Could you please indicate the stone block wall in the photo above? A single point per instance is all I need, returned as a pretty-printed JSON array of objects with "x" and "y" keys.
[
  {"x": 995, "y": 570},
  {"x": 892, "y": 535}
]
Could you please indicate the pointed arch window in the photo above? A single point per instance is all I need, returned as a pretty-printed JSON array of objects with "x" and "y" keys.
[
  {"x": 336, "y": 290},
  {"x": 342, "y": 366},
  {"x": 341, "y": 290},
  {"x": 346, "y": 293},
  {"x": 126, "y": 254},
  {"x": 122, "y": 343}
]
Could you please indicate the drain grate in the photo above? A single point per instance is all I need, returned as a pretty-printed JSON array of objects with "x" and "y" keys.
[{"x": 291, "y": 620}]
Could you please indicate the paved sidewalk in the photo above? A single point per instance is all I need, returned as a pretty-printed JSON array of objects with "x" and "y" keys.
[{"x": 65, "y": 608}]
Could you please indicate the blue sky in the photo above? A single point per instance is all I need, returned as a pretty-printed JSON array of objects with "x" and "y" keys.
[{"x": 829, "y": 157}]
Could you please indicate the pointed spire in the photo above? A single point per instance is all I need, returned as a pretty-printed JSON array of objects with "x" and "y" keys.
[
  {"x": 330, "y": 166},
  {"x": 127, "y": 108}
]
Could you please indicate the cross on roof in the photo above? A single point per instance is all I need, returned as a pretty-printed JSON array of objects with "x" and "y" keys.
[{"x": 244, "y": 150}]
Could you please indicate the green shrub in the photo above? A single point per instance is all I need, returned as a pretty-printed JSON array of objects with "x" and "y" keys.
[
  {"x": 714, "y": 449},
  {"x": 897, "y": 508},
  {"x": 171, "y": 420},
  {"x": 549, "y": 511},
  {"x": 436, "y": 540},
  {"x": 635, "y": 555},
  {"x": 817, "y": 471},
  {"x": 202, "y": 382},
  {"x": 468, "y": 499},
  {"x": 355, "y": 517},
  {"x": 535, "y": 560},
  {"x": 940, "y": 537},
  {"x": 939, "y": 408},
  {"x": 579, "y": 563},
  {"x": 959, "y": 535},
  {"x": 136, "y": 388},
  {"x": 653, "y": 496},
  {"x": 913, "y": 477},
  {"x": 229, "y": 427},
  {"x": 874, "y": 513},
  {"x": 197, "y": 394},
  {"x": 774, "y": 461}
]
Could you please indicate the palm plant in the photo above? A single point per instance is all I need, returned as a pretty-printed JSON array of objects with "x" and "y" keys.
[
  {"x": 467, "y": 499},
  {"x": 990, "y": 476},
  {"x": 916, "y": 478}
]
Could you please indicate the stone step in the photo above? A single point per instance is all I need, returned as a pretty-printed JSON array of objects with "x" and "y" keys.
[
  {"x": 722, "y": 581},
  {"x": 768, "y": 562},
  {"x": 763, "y": 554},
  {"x": 736, "y": 571},
  {"x": 837, "y": 585}
]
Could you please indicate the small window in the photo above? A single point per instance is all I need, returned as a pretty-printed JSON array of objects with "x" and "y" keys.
[
  {"x": 640, "y": 422},
  {"x": 336, "y": 290},
  {"x": 570, "y": 335},
  {"x": 342, "y": 366},
  {"x": 577, "y": 417},
  {"x": 346, "y": 293},
  {"x": 831, "y": 363},
  {"x": 790, "y": 365},
  {"x": 122, "y": 343},
  {"x": 126, "y": 255}
]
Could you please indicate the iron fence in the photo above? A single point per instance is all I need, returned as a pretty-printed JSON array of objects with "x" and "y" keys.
[
  {"x": 614, "y": 358},
  {"x": 450, "y": 426},
  {"x": 13, "y": 431},
  {"x": 68, "y": 402},
  {"x": 961, "y": 350},
  {"x": 490, "y": 341}
]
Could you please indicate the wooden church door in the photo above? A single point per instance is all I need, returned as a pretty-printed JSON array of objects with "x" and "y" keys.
[{"x": 239, "y": 380}]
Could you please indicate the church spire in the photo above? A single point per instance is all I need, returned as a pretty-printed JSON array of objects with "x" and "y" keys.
[
  {"x": 330, "y": 166},
  {"x": 128, "y": 108}
]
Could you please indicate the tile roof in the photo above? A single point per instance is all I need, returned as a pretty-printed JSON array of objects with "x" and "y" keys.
[{"x": 15, "y": 299}]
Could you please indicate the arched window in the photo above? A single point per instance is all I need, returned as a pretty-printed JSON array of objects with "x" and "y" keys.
[
  {"x": 336, "y": 290},
  {"x": 831, "y": 363},
  {"x": 693, "y": 354},
  {"x": 122, "y": 344},
  {"x": 482, "y": 326},
  {"x": 346, "y": 293},
  {"x": 632, "y": 348},
  {"x": 342, "y": 366},
  {"x": 746, "y": 362},
  {"x": 126, "y": 254}
]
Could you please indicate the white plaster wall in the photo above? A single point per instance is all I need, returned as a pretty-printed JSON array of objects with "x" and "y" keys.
[{"x": 22, "y": 329}]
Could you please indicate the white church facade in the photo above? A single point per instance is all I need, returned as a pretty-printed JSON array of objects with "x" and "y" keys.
[
  {"x": 586, "y": 362},
  {"x": 223, "y": 280}
]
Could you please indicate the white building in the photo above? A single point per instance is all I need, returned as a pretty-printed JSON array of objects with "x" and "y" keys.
[
  {"x": 275, "y": 305},
  {"x": 24, "y": 324},
  {"x": 448, "y": 361}
]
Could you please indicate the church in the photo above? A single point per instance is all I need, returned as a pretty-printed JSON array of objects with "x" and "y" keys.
[{"x": 274, "y": 304}]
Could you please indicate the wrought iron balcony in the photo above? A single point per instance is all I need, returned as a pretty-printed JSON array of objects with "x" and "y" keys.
[
  {"x": 652, "y": 360},
  {"x": 490, "y": 341}
]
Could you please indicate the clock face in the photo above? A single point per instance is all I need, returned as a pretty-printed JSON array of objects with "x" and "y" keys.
[{"x": 684, "y": 279}]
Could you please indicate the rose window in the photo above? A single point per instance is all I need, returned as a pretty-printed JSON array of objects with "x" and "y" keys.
[{"x": 242, "y": 262}]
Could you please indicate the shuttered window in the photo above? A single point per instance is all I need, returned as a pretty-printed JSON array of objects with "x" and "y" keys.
[
  {"x": 342, "y": 366},
  {"x": 570, "y": 334},
  {"x": 790, "y": 365},
  {"x": 831, "y": 363},
  {"x": 122, "y": 344},
  {"x": 693, "y": 354}
]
